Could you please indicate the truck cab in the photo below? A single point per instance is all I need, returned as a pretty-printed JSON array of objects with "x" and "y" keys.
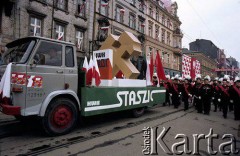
[{"x": 41, "y": 70}]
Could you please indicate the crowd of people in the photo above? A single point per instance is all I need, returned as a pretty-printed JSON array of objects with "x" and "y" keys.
[{"x": 223, "y": 93}]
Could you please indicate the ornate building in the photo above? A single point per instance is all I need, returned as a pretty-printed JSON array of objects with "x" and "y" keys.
[
  {"x": 116, "y": 16},
  {"x": 163, "y": 34},
  {"x": 68, "y": 20}
]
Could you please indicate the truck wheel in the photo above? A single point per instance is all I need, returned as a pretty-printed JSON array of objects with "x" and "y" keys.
[
  {"x": 138, "y": 112},
  {"x": 60, "y": 117}
]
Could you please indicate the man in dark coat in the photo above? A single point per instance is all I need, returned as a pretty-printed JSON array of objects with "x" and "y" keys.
[
  {"x": 206, "y": 95},
  {"x": 225, "y": 97},
  {"x": 197, "y": 94},
  {"x": 215, "y": 94},
  {"x": 174, "y": 92},
  {"x": 234, "y": 92},
  {"x": 186, "y": 90},
  {"x": 167, "y": 84}
]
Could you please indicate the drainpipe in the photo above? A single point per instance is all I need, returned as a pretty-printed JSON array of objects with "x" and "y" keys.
[{"x": 52, "y": 19}]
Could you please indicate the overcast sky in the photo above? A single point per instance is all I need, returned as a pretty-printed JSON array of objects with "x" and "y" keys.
[{"x": 215, "y": 20}]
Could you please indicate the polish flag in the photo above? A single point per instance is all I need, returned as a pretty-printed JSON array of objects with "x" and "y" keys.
[
  {"x": 151, "y": 67},
  {"x": 148, "y": 75},
  {"x": 90, "y": 72},
  {"x": 60, "y": 36},
  {"x": 104, "y": 4},
  {"x": 85, "y": 65},
  {"x": 160, "y": 71},
  {"x": 96, "y": 74}
]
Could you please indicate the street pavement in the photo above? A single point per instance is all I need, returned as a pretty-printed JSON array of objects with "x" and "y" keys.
[{"x": 118, "y": 134}]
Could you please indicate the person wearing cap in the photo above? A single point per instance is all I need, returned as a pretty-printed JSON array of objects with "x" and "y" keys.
[
  {"x": 215, "y": 93},
  {"x": 174, "y": 92},
  {"x": 229, "y": 84},
  {"x": 155, "y": 79},
  {"x": 186, "y": 90},
  {"x": 220, "y": 80},
  {"x": 225, "y": 97},
  {"x": 197, "y": 93},
  {"x": 167, "y": 85},
  {"x": 206, "y": 95},
  {"x": 234, "y": 92}
]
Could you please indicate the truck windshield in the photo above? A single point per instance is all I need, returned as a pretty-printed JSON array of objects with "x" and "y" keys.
[{"x": 18, "y": 53}]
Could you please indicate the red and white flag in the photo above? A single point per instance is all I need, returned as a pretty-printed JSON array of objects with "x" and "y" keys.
[
  {"x": 60, "y": 35},
  {"x": 85, "y": 65},
  {"x": 190, "y": 66},
  {"x": 160, "y": 70},
  {"x": 90, "y": 72},
  {"x": 148, "y": 75},
  {"x": 96, "y": 74}
]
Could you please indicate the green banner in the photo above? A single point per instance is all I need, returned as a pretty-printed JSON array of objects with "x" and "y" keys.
[{"x": 102, "y": 100}]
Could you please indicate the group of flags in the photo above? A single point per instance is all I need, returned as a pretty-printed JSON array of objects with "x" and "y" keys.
[
  {"x": 92, "y": 71},
  {"x": 150, "y": 69}
]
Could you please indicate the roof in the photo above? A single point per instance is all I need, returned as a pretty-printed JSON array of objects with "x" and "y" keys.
[{"x": 37, "y": 37}]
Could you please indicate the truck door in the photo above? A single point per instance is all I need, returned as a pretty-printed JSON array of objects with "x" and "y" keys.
[
  {"x": 71, "y": 71},
  {"x": 46, "y": 74}
]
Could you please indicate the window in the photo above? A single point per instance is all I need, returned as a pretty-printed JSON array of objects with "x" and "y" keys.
[
  {"x": 119, "y": 14},
  {"x": 157, "y": 32},
  {"x": 168, "y": 23},
  {"x": 157, "y": 16},
  {"x": 79, "y": 40},
  {"x": 168, "y": 58},
  {"x": 81, "y": 8},
  {"x": 103, "y": 7},
  {"x": 168, "y": 38},
  {"x": 141, "y": 6},
  {"x": 69, "y": 57},
  {"x": 35, "y": 26},
  {"x": 141, "y": 26},
  {"x": 49, "y": 54},
  {"x": 151, "y": 11},
  {"x": 150, "y": 50},
  {"x": 59, "y": 33},
  {"x": 150, "y": 29},
  {"x": 163, "y": 20},
  {"x": 132, "y": 21},
  {"x": 62, "y": 4},
  {"x": 133, "y": 2},
  {"x": 163, "y": 35}
]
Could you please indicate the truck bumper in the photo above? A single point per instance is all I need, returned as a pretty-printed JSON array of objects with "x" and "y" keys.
[{"x": 10, "y": 110}]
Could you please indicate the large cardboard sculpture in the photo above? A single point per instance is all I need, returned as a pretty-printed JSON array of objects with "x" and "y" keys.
[{"x": 123, "y": 47}]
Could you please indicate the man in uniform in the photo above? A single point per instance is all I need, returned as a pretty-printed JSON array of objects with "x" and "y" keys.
[
  {"x": 225, "y": 97},
  {"x": 235, "y": 97},
  {"x": 174, "y": 92},
  {"x": 167, "y": 85},
  {"x": 206, "y": 95},
  {"x": 197, "y": 93},
  {"x": 186, "y": 90},
  {"x": 215, "y": 94}
]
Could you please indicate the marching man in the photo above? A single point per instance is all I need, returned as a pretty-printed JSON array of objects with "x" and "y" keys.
[
  {"x": 215, "y": 94},
  {"x": 235, "y": 97},
  {"x": 197, "y": 93},
  {"x": 225, "y": 97},
  {"x": 174, "y": 92},
  {"x": 206, "y": 94},
  {"x": 186, "y": 90},
  {"x": 167, "y": 85}
]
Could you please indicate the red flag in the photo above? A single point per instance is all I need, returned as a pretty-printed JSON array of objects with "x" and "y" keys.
[
  {"x": 193, "y": 68},
  {"x": 90, "y": 72},
  {"x": 160, "y": 71},
  {"x": 96, "y": 73},
  {"x": 151, "y": 66},
  {"x": 85, "y": 65}
]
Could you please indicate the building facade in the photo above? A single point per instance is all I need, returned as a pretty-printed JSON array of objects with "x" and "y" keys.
[
  {"x": 68, "y": 20},
  {"x": 163, "y": 34},
  {"x": 116, "y": 16},
  {"x": 205, "y": 46},
  {"x": 207, "y": 63}
]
